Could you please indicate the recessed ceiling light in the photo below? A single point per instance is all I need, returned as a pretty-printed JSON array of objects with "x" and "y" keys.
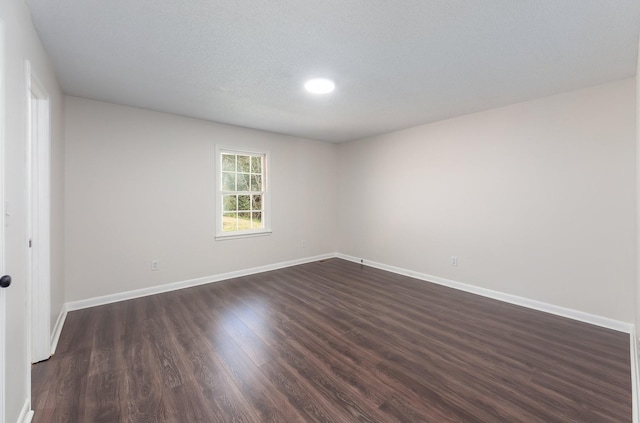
[{"x": 320, "y": 86}]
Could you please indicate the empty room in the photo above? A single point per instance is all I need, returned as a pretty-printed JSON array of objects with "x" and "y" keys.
[{"x": 331, "y": 211}]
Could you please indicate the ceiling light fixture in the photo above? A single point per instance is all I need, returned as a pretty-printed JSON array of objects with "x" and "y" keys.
[{"x": 320, "y": 86}]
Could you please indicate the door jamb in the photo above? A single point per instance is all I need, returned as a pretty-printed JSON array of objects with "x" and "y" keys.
[
  {"x": 3, "y": 307},
  {"x": 38, "y": 201}
]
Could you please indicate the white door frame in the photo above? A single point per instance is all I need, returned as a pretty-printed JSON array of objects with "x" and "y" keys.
[
  {"x": 38, "y": 210},
  {"x": 3, "y": 308}
]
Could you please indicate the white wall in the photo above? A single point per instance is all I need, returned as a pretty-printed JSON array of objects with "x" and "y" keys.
[
  {"x": 637, "y": 296},
  {"x": 22, "y": 43},
  {"x": 535, "y": 199},
  {"x": 140, "y": 185}
]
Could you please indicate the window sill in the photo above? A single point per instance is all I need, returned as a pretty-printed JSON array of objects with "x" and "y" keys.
[{"x": 237, "y": 235}]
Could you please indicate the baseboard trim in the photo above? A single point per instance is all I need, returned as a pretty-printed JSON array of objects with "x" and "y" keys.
[
  {"x": 158, "y": 289},
  {"x": 497, "y": 295},
  {"x": 501, "y": 296},
  {"x": 57, "y": 329},
  {"x": 26, "y": 414},
  {"x": 635, "y": 375}
]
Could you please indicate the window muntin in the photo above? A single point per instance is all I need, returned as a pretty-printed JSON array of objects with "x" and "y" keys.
[{"x": 242, "y": 192}]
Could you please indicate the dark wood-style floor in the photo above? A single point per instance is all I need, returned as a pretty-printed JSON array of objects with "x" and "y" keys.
[{"x": 330, "y": 342}]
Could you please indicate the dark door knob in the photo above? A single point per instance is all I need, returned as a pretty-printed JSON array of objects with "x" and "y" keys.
[{"x": 5, "y": 281}]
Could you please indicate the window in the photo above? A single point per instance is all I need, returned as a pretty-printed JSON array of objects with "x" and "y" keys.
[{"x": 242, "y": 194}]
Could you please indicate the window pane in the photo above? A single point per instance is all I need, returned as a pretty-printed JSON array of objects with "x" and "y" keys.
[
  {"x": 244, "y": 202},
  {"x": 256, "y": 203},
  {"x": 229, "y": 162},
  {"x": 244, "y": 221},
  {"x": 230, "y": 203},
  {"x": 229, "y": 222},
  {"x": 256, "y": 183},
  {"x": 256, "y": 164},
  {"x": 241, "y": 175},
  {"x": 256, "y": 220},
  {"x": 243, "y": 182},
  {"x": 228, "y": 181},
  {"x": 244, "y": 163}
]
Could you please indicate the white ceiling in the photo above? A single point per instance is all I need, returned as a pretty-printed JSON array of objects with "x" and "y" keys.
[{"x": 396, "y": 64}]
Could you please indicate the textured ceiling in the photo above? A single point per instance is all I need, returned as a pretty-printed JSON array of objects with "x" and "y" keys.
[{"x": 396, "y": 64}]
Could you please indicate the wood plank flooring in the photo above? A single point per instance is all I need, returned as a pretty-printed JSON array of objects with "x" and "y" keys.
[{"x": 330, "y": 341}]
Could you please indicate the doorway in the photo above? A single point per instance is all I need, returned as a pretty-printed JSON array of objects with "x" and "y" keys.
[{"x": 38, "y": 209}]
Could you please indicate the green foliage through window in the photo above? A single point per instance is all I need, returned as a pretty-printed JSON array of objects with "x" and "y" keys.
[{"x": 242, "y": 192}]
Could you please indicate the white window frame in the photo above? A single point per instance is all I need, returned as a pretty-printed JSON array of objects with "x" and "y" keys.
[{"x": 266, "y": 197}]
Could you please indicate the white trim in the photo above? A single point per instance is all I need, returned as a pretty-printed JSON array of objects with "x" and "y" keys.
[
  {"x": 633, "y": 350},
  {"x": 129, "y": 295},
  {"x": 39, "y": 150},
  {"x": 635, "y": 374},
  {"x": 501, "y": 296},
  {"x": 26, "y": 414},
  {"x": 243, "y": 234},
  {"x": 3, "y": 302},
  {"x": 266, "y": 195},
  {"x": 57, "y": 329}
]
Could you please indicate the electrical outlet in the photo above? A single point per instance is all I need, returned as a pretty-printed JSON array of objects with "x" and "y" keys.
[
  {"x": 155, "y": 264},
  {"x": 454, "y": 260}
]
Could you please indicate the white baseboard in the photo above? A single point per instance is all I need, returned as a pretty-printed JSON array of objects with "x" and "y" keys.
[
  {"x": 137, "y": 293},
  {"x": 26, "y": 414},
  {"x": 535, "y": 305},
  {"x": 501, "y": 296},
  {"x": 57, "y": 329},
  {"x": 497, "y": 295},
  {"x": 635, "y": 375}
]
